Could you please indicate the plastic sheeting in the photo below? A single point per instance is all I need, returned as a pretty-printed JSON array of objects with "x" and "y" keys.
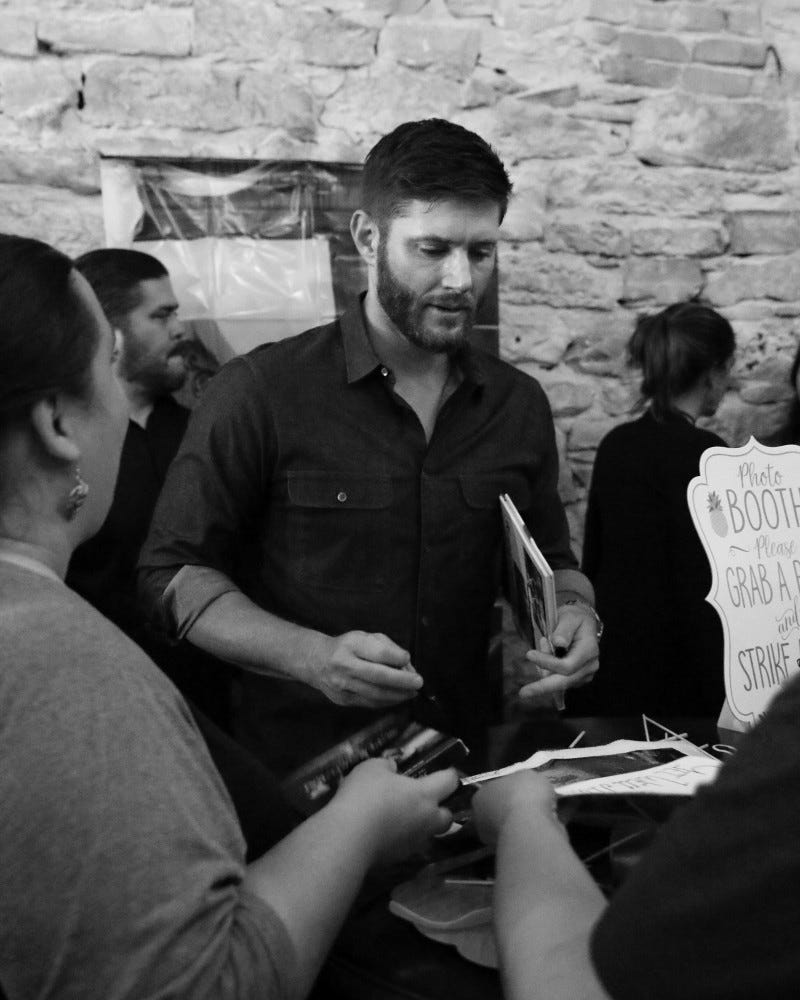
[{"x": 262, "y": 249}]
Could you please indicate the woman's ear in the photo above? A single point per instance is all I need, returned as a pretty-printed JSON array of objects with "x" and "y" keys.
[
  {"x": 364, "y": 231},
  {"x": 54, "y": 428}
]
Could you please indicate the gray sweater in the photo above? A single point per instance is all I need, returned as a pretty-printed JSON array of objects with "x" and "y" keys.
[{"x": 121, "y": 859}]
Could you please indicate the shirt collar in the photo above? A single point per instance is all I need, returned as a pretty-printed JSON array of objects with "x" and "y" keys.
[{"x": 361, "y": 359}]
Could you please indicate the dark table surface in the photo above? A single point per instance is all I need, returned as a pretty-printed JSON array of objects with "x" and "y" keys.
[{"x": 381, "y": 957}]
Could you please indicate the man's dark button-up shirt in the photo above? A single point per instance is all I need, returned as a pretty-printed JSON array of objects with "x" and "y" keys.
[{"x": 306, "y": 480}]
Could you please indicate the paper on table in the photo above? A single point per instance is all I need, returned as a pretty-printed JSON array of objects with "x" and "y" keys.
[{"x": 624, "y": 767}]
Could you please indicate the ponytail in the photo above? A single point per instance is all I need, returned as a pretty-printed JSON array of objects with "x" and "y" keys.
[{"x": 677, "y": 347}]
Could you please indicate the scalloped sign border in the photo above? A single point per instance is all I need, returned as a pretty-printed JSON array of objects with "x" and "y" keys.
[{"x": 745, "y": 504}]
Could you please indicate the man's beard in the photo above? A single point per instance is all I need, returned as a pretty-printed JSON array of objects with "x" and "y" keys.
[
  {"x": 152, "y": 373},
  {"x": 411, "y": 314}
]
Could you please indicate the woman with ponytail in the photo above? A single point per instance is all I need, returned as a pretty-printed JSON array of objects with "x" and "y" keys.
[{"x": 661, "y": 652}]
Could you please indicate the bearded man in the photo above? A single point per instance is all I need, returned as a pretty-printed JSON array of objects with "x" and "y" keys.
[
  {"x": 331, "y": 523},
  {"x": 137, "y": 297}
]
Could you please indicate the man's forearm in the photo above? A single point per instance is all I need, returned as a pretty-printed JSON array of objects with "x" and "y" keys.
[
  {"x": 546, "y": 904},
  {"x": 571, "y": 584},
  {"x": 235, "y": 629}
]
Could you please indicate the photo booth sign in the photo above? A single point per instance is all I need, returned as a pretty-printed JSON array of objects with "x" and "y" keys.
[{"x": 745, "y": 504}]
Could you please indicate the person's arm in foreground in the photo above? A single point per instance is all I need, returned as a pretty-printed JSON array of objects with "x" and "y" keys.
[
  {"x": 545, "y": 902},
  {"x": 310, "y": 879}
]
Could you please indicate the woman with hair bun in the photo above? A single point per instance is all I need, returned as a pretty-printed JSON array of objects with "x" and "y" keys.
[{"x": 662, "y": 650}]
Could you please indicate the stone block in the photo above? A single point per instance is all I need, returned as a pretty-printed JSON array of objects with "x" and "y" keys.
[
  {"x": 383, "y": 8},
  {"x": 471, "y": 8},
  {"x": 615, "y": 187},
  {"x": 737, "y": 421},
  {"x": 769, "y": 278},
  {"x": 728, "y": 51},
  {"x": 327, "y": 39},
  {"x": 522, "y": 130},
  {"x": 126, "y": 94},
  {"x": 372, "y": 102},
  {"x": 525, "y": 216},
  {"x": 685, "y": 128},
  {"x": 38, "y": 90},
  {"x": 548, "y": 335},
  {"x": 613, "y": 11},
  {"x": 159, "y": 33},
  {"x": 17, "y": 33},
  {"x": 215, "y": 98},
  {"x": 568, "y": 395},
  {"x": 128, "y": 4},
  {"x": 745, "y": 19},
  {"x": 246, "y": 29},
  {"x": 485, "y": 87},
  {"x": 661, "y": 280},
  {"x": 646, "y": 45},
  {"x": 652, "y": 16},
  {"x": 596, "y": 32},
  {"x": 676, "y": 239},
  {"x": 534, "y": 333},
  {"x": 758, "y": 393},
  {"x": 604, "y": 351},
  {"x": 764, "y": 232},
  {"x": 530, "y": 275},
  {"x": 719, "y": 82},
  {"x": 448, "y": 45},
  {"x": 24, "y": 160},
  {"x": 586, "y": 235},
  {"x": 700, "y": 17},
  {"x": 276, "y": 100},
  {"x": 72, "y": 223},
  {"x": 639, "y": 72},
  {"x": 618, "y": 399}
]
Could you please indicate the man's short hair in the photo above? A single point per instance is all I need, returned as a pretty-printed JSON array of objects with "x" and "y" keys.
[
  {"x": 115, "y": 276},
  {"x": 431, "y": 160}
]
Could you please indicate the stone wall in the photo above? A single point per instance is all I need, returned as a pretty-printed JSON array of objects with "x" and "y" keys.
[{"x": 653, "y": 146}]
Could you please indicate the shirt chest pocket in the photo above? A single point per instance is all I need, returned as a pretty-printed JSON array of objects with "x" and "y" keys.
[
  {"x": 480, "y": 533},
  {"x": 337, "y": 529}
]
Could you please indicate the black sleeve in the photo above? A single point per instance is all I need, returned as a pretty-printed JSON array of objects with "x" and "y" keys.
[
  {"x": 214, "y": 485},
  {"x": 712, "y": 910}
]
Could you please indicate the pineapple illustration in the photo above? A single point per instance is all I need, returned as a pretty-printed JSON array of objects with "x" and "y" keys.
[{"x": 717, "y": 515}]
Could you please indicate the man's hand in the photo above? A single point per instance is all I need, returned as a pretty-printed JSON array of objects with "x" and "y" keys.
[
  {"x": 401, "y": 813},
  {"x": 575, "y": 642},
  {"x": 362, "y": 668}
]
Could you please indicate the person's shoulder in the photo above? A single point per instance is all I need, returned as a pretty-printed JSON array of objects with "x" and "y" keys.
[
  {"x": 294, "y": 350},
  {"x": 503, "y": 376},
  {"x": 53, "y": 630},
  {"x": 709, "y": 438},
  {"x": 622, "y": 435}
]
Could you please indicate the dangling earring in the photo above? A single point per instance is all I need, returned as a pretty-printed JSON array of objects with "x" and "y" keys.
[{"x": 77, "y": 495}]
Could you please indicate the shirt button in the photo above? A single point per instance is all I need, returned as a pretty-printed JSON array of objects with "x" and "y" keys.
[{"x": 341, "y": 496}]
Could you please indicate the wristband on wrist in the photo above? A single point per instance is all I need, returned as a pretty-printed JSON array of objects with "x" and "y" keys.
[{"x": 598, "y": 621}]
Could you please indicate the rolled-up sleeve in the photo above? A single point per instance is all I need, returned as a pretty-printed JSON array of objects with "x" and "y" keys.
[{"x": 211, "y": 492}]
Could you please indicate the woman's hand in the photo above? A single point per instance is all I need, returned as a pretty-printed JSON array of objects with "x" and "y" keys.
[
  {"x": 497, "y": 799},
  {"x": 401, "y": 813}
]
